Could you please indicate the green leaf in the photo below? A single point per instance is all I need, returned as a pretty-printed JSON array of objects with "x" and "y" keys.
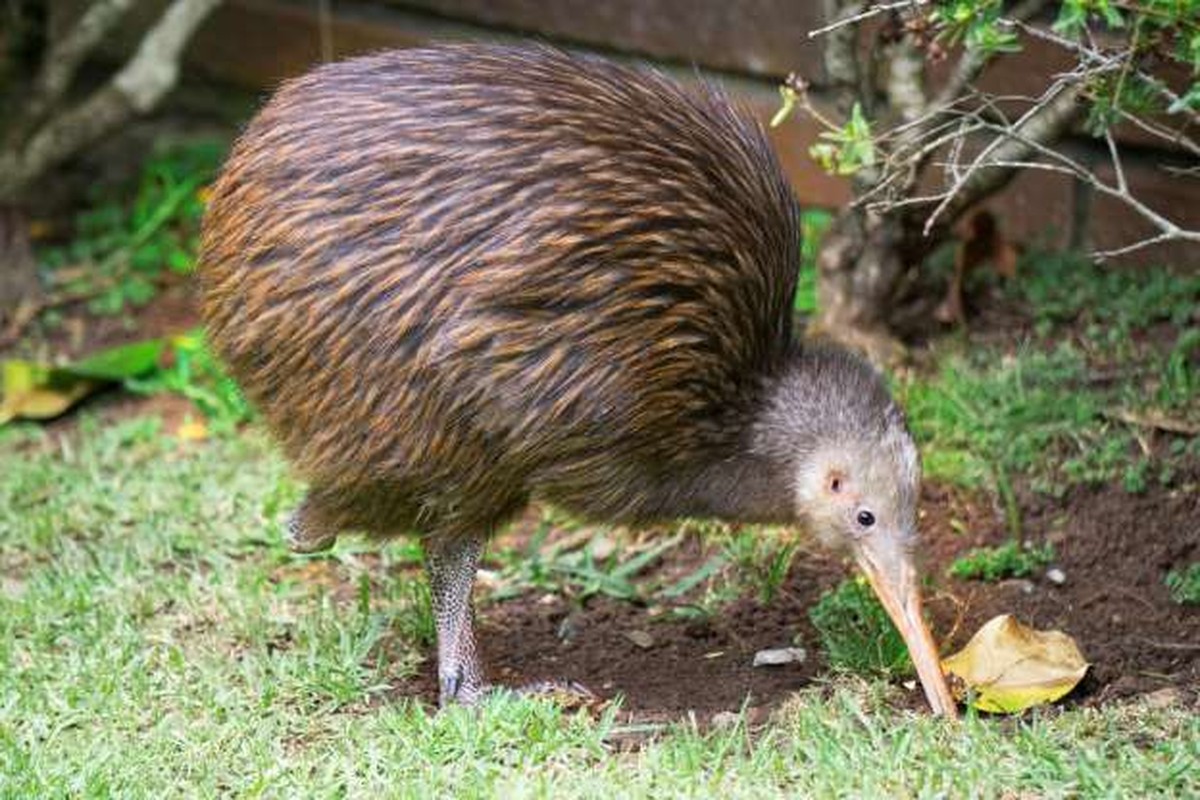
[
  {"x": 38, "y": 391},
  {"x": 1189, "y": 101},
  {"x": 118, "y": 363}
]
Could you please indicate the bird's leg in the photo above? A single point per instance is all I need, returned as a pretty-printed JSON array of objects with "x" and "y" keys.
[{"x": 451, "y": 564}]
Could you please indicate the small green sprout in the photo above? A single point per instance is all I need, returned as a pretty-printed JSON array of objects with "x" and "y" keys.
[
  {"x": 1009, "y": 560},
  {"x": 856, "y": 633}
]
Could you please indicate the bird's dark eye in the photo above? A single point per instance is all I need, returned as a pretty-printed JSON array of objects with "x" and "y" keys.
[{"x": 866, "y": 519}]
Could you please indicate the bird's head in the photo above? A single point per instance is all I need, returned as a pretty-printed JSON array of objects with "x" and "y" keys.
[{"x": 857, "y": 475}]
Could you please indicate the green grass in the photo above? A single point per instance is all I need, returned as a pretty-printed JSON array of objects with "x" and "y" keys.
[
  {"x": 856, "y": 634},
  {"x": 1009, "y": 560},
  {"x": 1109, "y": 347},
  {"x": 157, "y": 640},
  {"x": 1111, "y": 302},
  {"x": 1184, "y": 584},
  {"x": 1049, "y": 414}
]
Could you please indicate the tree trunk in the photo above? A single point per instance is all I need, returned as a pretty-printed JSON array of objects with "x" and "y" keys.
[
  {"x": 20, "y": 288},
  {"x": 862, "y": 260}
]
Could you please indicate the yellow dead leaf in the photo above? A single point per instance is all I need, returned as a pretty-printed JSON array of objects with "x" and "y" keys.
[
  {"x": 1011, "y": 667},
  {"x": 192, "y": 431},
  {"x": 30, "y": 391}
]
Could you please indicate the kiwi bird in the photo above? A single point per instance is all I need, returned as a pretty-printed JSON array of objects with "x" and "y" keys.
[{"x": 458, "y": 279}]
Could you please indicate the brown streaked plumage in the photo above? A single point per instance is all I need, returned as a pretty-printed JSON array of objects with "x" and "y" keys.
[{"x": 458, "y": 278}]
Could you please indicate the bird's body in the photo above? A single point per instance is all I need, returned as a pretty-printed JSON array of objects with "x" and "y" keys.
[
  {"x": 483, "y": 266},
  {"x": 459, "y": 278}
]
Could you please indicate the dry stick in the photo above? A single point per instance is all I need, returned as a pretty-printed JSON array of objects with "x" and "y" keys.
[
  {"x": 1043, "y": 118},
  {"x": 1092, "y": 57},
  {"x": 1175, "y": 137},
  {"x": 981, "y": 178},
  {"x": 1019, "y": 144},
  {"x": 1169, "y": 230},
  {"x": 1154, "y": 421},
  {"x": 905, "y": 89}
]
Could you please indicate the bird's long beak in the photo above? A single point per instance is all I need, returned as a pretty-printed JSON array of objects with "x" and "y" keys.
[{"x": 890, "y": 569}]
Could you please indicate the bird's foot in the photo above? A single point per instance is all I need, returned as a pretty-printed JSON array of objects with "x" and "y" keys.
[
  {"x": 304, "y": 539},
  {"x": 453, "y": 690},
  {"x": 570, "y": 695}
]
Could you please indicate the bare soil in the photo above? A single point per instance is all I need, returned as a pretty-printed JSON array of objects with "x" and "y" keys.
[{"x": 1114, "y": 549}]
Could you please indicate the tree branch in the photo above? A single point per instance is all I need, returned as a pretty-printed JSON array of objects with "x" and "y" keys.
[
  {"x": 63, "y": 57},
  {"x": 906, "y": 80},
  {"x": 1050, "y": 118},
  {"x": 839, "y": 56},
  {"x": 972, "y": 62},
  {"x": 136, "y": 88}
]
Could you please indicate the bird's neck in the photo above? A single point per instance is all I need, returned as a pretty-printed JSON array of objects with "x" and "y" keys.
[
  {"x": 768, "y": 443},
  {"x": 748, "y": 477},
  {"x": 741, "y": 487}
]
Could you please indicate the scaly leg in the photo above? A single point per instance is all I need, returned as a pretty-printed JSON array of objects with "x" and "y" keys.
[{"x": 451, "y": 565}]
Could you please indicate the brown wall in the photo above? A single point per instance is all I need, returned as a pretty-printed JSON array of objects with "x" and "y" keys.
[{"x": 751, "y": 44}]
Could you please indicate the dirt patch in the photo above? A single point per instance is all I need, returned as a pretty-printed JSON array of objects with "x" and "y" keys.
[{"x": 1114, "y": 549}]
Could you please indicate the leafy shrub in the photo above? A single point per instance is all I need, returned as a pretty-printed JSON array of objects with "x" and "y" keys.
[
  {"x": 195, "y": 373},
  {"x": 122, "y": 247}
]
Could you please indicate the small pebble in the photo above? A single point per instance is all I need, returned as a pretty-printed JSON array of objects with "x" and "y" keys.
[
  {"x": 1056, "y": 576},
  {"x": 779, "y": 656},
  {"x": 1020, "y": 584},
  {"x": 602, "y": 548},
  {"x": 640, "y": 638},
  {"x": 1163, "y": 698}
]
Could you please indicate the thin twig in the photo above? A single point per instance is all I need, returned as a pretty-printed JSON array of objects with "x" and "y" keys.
[
  {"x": 1046, "y": 118},
  {"x": 1093, "y": 55},
  {"x": 862, "y": 16},
  {"x": 1175, "y": 137},
  {"x": 1118, "y": 170}
]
